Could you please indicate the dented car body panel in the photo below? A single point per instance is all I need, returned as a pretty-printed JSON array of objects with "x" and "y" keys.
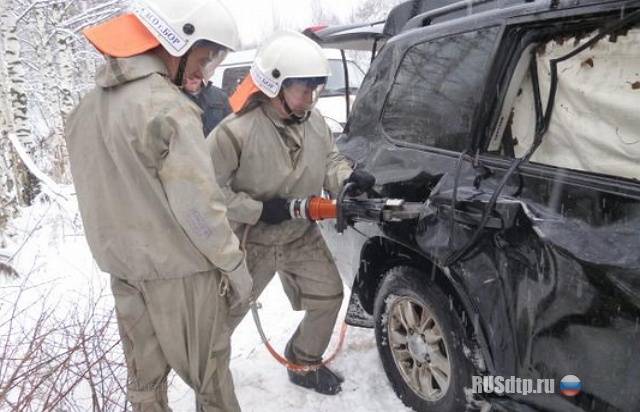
[{"x": 542, "y": 257}]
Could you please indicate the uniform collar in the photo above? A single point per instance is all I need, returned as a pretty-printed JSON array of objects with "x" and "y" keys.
[{"x": 117, "y": 71}]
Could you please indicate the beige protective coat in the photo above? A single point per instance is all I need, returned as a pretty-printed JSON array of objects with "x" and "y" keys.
[
  {"x": 155, "y": 219},
  {"x": 257, "y": 156}
]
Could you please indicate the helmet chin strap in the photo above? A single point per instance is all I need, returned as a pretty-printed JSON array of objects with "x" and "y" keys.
[
  {"x": 294, "y": 117},
  {"x": 181, "y": 66}
]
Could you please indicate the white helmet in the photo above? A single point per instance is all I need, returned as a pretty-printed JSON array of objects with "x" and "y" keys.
[
  {"x": 178, "y": 25},
  {"x": 287, "y": 55}
]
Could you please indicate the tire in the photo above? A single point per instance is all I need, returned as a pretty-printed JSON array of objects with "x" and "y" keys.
[{"x": 421, "y": 342}]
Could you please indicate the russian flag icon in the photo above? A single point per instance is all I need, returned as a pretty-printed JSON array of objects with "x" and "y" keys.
[{"x": 570, "y": 385}]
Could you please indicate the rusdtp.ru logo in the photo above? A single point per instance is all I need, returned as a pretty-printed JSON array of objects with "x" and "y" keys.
[{"x": 500, "y": 385}]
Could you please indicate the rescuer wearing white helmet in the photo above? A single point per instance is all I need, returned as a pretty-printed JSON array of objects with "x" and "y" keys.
[
  {"x": 154, "y": 217},
  {"x": 277, "y": 147}
]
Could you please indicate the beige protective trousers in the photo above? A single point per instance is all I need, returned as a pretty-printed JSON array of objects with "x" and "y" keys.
[
  {"x": 311, "y": 282},
  {"x": 178, "y": 324}
]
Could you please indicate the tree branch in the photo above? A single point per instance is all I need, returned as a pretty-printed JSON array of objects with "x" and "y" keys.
[{"x": 39, "y": 174}]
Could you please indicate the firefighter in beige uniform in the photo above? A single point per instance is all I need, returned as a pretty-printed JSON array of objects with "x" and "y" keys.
[
  {"x": 278, "y": 147},
  {"x": 154, "y": 217}
]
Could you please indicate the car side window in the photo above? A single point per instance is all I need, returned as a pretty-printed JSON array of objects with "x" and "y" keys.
[
  {"x": 437, "y": 88},
  {"x": 336, "y": 82}
]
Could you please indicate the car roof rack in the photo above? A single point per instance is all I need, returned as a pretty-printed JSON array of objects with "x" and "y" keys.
[
  {"x": 419, "y": 13},
  {"x": 402, "y": 13}
]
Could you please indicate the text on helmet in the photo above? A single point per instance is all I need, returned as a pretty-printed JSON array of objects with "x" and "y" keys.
[
  {"x": 162, "y": 28},
  {"x": 263, "y": 80}
]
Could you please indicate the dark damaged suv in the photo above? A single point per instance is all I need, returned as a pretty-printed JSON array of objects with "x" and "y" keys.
[{"x": 516, "y": 126}]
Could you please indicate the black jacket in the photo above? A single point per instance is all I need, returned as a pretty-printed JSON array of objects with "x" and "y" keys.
[{"x": 215, "y": 104}]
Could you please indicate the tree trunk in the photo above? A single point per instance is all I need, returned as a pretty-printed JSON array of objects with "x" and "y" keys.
[
  {"x": 8, "y": 185},
  {"x": 18, "y": 186},
  {"x": 66, "y": 72},
  {"x": 15, "y": 74}
]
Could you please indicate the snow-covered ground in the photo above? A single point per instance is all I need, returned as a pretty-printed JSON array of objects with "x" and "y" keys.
[{"x": 57, "y": 275}]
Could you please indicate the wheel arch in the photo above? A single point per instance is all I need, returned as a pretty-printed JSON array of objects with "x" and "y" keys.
[{"x": 380, "y": 254}]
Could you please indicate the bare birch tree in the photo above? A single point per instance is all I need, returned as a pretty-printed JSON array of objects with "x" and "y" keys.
[{"x": 18, "y": 187}]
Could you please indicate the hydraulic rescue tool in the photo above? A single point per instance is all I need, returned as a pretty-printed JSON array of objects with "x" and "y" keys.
[{"x": 346, "y": 212}]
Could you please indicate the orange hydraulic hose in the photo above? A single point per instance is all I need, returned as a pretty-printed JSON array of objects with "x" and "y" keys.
[
  {"x": 284, "y": 361},
  {"x": 281, "y": 359}
]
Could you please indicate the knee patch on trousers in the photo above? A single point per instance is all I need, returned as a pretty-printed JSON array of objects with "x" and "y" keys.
[
  {"x": 152, "y": 396},
  {"x": 310, "y": 301}
]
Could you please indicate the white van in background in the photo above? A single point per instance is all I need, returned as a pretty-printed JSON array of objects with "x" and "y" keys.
[{"x": 332, "y": 102}]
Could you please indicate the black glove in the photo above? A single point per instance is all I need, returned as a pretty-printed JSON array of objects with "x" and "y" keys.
[
  {"x": 363, "y": 180},
  {"x": 275, "y": 211}
]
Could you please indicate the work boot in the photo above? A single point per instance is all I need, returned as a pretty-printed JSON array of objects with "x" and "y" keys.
[{"x": 321, "y": 380}]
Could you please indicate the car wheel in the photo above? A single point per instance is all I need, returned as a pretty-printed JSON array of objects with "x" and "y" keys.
[{"x": 421, "y": 342}]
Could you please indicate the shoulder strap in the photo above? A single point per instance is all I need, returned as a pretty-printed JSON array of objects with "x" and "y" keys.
[{"x": 232, "y": 137}]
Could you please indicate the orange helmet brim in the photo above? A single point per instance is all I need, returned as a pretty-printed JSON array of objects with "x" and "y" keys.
[
  {"x": 243, "y": 92},
  {"x": 123, "y": 36}
]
